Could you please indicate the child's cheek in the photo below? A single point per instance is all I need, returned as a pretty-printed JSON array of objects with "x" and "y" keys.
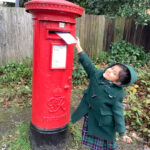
[{"x": 110, "y": 75}]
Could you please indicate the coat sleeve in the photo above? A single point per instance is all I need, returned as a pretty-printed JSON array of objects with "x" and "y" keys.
[
  {"x": 81, "y": 110},
  {"x": 119, "y": 115},
  {"x": 87, "y": 63}
]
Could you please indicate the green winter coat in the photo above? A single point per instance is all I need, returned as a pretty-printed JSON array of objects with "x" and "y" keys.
[{"x": 102, "y": 101}]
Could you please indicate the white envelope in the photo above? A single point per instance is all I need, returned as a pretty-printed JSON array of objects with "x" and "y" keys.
[{"x": 67, "y": 37}]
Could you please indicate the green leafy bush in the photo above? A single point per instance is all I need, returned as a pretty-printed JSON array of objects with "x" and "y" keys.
[
  {"x": 16, "y": 78},
  {"x": 136, "y": 9},
  {"x": 144, "y": 76},
  {"x": 79, "y": 75},
  {"x": 15, "y": 71},
  {"x": 126, "y": 53}
]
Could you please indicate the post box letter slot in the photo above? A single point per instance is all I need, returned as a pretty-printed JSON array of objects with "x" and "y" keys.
[
  {"x": 54, "y": 32},
  {"x": 59, "y": 53},
  {"x": 51, "y": 34}
]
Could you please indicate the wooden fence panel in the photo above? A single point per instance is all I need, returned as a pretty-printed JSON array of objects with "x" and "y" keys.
[
  {"x": 119, "y": 28},
  {"x": 108, "y": 33},
  {"x": 91, "y": 34},
  {"x": 101, "y": 28},
  {"x": 137, "y": 34},
  {"x": 15, "y": 34},
  {"x": 145, "y": 38}
]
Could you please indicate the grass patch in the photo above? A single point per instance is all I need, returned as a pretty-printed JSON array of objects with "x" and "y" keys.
[{"x": 18, "y": 139}]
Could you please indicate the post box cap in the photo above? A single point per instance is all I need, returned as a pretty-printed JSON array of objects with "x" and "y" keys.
[{"x": 53, "y": 5}]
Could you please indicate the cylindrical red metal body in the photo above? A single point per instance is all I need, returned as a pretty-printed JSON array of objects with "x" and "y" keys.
[{"x": 52, "y": 61}]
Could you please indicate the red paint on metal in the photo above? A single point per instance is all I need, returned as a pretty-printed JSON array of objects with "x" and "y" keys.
[{"x": 51, "y": 89}]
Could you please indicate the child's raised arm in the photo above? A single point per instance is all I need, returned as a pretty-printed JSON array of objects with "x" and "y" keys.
[{"x": 86, "y": 62}]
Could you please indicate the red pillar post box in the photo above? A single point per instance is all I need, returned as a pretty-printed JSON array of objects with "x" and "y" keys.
[{"x": 52, "y": 71}]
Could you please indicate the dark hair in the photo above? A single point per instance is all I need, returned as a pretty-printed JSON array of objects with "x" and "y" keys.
[{"x": 124, "y": 75}]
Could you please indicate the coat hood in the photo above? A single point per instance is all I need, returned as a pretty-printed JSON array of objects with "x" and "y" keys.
[{"x": 133, "y": 75}]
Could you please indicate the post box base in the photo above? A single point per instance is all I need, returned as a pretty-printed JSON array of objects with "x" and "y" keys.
[{"x": 41, "y": 139}]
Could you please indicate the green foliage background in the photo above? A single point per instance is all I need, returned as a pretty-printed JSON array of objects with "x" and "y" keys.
[
  {"x": 126, "y": 53},
  {"x": 136, "y": 9}
]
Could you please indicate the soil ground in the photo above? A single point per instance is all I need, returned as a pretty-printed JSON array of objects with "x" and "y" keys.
[{"x": 11, "y": 118}]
